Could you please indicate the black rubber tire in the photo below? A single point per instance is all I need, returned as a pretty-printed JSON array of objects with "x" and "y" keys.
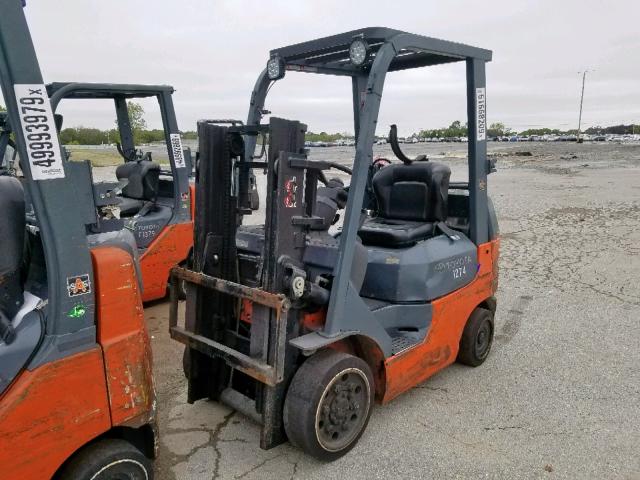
[
  {"x": 306, "y": 392},
  {"x": 108, "y": 459},
  {"x": 477, "y": 338}
]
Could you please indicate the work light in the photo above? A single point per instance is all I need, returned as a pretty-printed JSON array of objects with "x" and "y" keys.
[
  {"x": 358, "y": 52},
  {"x": 275, "y": 68}
]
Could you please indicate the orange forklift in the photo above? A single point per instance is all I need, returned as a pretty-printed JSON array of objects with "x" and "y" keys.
[
  {"x": 154, "y": 202},
  {"x": 76, "y": 391},
  {"x": 303, "y": 322}
]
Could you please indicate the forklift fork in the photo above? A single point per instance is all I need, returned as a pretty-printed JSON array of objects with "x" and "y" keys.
[{"x": 268, "y": 372}]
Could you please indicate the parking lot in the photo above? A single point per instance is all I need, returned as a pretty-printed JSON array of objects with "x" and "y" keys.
[{"x": 558, "y": 396}]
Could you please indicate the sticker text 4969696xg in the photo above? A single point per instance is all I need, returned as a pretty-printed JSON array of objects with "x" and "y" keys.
[{"x": 39, "y": 130}]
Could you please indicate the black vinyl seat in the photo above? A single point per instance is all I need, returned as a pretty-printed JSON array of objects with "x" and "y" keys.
[
  {"x": 412, "y": 200},
  {"x": 12, "y": 235},
  {"x": 143, "y": 182}
]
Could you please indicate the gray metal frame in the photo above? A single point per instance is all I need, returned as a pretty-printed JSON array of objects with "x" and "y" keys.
[
  {"x": 60, "y": 207},
  {"x": 120, "y": 93},
  {"x": 390, "y": 50}
]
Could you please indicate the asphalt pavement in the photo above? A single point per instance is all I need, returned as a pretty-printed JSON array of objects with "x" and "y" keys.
[{"x": 559, "y": 395}]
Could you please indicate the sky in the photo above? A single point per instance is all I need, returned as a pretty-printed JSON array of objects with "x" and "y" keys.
[{"x": 212, "y": 52}]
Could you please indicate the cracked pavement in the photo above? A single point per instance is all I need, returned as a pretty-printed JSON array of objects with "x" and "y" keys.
[{"x": 557, "y": 398}]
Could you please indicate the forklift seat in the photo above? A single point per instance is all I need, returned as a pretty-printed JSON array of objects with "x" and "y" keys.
[
  {"x": 144, "y": 179},
  {"x": 412, "y": 200},
  {"x": 12, "y": 231}
]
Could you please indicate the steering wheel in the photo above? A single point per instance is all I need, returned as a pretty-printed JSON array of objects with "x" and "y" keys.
[
  {"x": 136, "y": 156},
  {"x": 343, "y": 168}
]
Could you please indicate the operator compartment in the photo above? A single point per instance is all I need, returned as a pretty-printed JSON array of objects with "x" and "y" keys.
[{"x": 413, "y": 256}]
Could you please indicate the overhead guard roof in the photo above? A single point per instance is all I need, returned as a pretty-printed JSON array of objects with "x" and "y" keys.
[
  {"x": 333, "y": 52},
  {"x": 107, "y": 90}
]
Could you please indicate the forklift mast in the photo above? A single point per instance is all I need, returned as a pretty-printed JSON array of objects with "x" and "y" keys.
[{"x": 69, "y": 200}]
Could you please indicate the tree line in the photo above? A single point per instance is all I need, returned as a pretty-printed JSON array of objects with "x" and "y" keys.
[
  {"x": 141, "y": 134},
  {"x": 94, "y": 136}
]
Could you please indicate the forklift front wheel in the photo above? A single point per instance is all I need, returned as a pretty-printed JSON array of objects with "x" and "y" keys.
[
  {"x": 477, "y": 338},
  {"x": 108, "y": 459},
  {"x": 328, "y": 405}
]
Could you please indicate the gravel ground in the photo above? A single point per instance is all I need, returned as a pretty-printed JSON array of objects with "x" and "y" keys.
[{"x": 558, "y": 396}]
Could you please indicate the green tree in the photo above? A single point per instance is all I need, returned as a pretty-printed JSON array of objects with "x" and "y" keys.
[
  {"x": 83, "y": 136},
  {"x": 542, "y": 131},
  {"x": 2, "y": 109},
  {"x": 322, "y": 137},
  {"x": 498, "y": 129},
  {"x": 136, "y": 116},
  {"x": 136, "y": 120}
]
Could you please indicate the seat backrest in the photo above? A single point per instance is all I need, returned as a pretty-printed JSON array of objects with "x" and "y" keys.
[
  {"x": 415, "y": 192},
  {"x": 143, "y": 177},
  {"x": 12, "y": 228}
]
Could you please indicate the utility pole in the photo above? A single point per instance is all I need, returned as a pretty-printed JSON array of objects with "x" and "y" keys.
[{"x": 584, "y": 74}]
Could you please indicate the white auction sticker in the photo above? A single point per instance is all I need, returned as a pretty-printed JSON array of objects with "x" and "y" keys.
[
  {"x": 39, "y": 130},
  {"x": 176, "y": 147},
  {"x": 481, "y": 114}
]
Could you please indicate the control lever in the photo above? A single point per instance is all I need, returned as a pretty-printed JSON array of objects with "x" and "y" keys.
[{"x": 395, "y": 146}]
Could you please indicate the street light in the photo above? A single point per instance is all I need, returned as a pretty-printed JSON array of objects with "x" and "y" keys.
[{"x": 584, "y": 74}]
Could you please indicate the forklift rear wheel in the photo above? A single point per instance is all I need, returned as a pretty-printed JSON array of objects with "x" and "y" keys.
[
  {"x": 477, "y": 338},
  {"x": 108, "y": 459},
  {"x": 328, "y": 404}
]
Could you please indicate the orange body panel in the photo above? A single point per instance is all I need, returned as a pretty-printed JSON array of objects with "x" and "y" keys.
[
  {"x": 439, "y": 349},
  {"x": 124, "y": 339},
  {"x": 169, "y": 249},
  {"x": 50, "y": 412},
  {"x": 450, "y": 314}
]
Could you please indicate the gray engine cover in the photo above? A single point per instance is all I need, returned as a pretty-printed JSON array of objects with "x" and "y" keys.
[{"x": 420, "y": 273}]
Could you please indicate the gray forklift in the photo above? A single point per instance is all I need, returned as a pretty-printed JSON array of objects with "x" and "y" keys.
[{"x": 302, "y": 326}]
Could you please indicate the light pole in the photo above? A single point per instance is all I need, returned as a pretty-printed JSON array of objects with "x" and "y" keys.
[{"x": 584, "y": 74}]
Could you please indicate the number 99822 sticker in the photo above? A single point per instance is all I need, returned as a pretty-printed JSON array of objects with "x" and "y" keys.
[{"x": 39, "y": 130}]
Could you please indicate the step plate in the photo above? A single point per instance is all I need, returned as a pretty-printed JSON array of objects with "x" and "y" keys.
[{"x": 399, "y": 344}]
